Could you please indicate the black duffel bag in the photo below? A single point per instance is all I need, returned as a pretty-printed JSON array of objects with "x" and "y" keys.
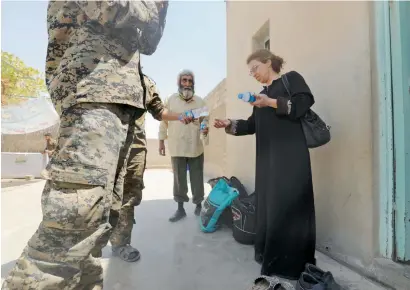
[{"x": 244, "y": 219}]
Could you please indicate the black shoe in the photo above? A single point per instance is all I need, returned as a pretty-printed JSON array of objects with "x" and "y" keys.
[
  {"x": 314, "y": 271},
  {"x": 325, "y": 277},
  {"x": 178, "y": 215},
  {"x": 307, "y": 282},
  {"x": 198, "y": 209}
]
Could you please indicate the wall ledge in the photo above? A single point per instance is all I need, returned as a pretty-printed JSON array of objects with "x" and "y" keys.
[{"x": 382, "y": 271}]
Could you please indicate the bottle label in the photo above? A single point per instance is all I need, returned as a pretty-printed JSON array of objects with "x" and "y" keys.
[
  {"x": 200, "y": 112},
  {"x": 247, "y": 97}
]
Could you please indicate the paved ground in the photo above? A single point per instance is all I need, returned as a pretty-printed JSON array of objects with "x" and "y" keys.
[{"x": 174, "y": 256}]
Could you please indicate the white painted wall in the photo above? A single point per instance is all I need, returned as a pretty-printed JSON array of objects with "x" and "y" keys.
[{"x": 19, "y": 165}]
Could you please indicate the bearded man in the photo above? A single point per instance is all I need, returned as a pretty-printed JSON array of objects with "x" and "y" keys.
[{"x": 185, "y": 145}]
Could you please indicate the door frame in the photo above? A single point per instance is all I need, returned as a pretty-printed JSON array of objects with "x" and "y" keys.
[
  {"x": 394, "y": 149},
  {"x": 400, "y": 47},
  {"x": 385, "y": 116}
]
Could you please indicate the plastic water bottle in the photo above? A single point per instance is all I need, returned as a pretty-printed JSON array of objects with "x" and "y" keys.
[
  {"x": 200, "y": 112},
  {"x": 196, "y": 113},
  {"x": 189, "y": 114},
  {"x": 203, "y": 135},
  {"x": 203, "y": 126},
  {"x": 247, "y": 97}
]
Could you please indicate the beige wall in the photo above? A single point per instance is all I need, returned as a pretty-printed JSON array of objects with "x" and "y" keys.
[
  {"x": 154, "y": 160},
  {"x": 33, "y": 142},
  {"x": 215, "y": 149},
  {"x": 329, "y": 44}
]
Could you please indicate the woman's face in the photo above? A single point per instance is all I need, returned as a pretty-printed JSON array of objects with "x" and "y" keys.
[{"x": 259, "y": 70}]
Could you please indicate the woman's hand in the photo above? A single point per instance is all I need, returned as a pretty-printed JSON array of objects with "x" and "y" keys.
[
  {"x": 264, "y": 101},
  {"x": 218, "y": 123}
]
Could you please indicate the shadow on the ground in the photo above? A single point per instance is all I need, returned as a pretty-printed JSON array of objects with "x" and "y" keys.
[{"x": 178, "y": 255}]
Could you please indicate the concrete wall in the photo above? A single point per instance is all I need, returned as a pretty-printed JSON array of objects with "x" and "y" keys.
[
  {"x": 329, "y": 44},
  {"x": 215, "y": 150}
]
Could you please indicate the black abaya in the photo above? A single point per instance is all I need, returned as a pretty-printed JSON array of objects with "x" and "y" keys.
[{"x": 285, "y": 232}]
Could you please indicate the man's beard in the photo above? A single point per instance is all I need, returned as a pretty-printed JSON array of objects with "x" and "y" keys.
[{"x": 187, "y": 93}]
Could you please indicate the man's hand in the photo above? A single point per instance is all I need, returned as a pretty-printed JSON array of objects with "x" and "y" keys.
[
  {"x": 184, "y": 119},
  {"x": 161, "y": 148}
]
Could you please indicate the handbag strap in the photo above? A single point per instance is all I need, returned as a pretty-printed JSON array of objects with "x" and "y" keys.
[{"x": 286, "y": 84}]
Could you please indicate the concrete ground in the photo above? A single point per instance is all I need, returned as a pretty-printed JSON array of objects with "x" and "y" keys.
[{"x": 174, "y": 256}]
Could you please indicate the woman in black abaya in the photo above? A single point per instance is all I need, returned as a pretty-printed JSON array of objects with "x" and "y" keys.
[{"x": 285, "y": 231}]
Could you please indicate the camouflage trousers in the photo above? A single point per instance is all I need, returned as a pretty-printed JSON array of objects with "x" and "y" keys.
[
  {"x": 85, "y": 184},
  {"x": 133, "y": 186}
]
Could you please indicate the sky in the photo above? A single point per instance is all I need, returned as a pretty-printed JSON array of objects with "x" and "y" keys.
[{"x": 194, "y": 38}]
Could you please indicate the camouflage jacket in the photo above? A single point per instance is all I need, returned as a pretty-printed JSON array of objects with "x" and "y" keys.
[
  {"x": 94, "y": 50},
  {"x": 154, "y": 106}
]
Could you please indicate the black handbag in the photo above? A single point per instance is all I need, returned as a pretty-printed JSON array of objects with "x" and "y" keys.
[{"x": 317, "y": 133}]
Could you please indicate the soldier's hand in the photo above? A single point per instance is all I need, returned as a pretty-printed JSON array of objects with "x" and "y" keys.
[{"x": 185, "y": 119}]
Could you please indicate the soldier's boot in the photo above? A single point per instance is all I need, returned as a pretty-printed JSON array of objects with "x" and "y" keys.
[
  {"x": 179, "y": 214},
  {"x": 121, "y": 236},
  {"x": 126, "y": 253}
]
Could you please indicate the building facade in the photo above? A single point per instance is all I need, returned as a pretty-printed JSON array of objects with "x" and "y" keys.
[{"x": 352, "y": 55}]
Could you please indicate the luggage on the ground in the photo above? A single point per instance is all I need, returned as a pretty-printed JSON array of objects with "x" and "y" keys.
[
  {"x": 244, "y": 219},
  {"x": 218, "y": 200},
  {"x": 226, "y": 217},
  {"x": 212, "y": 182},
  {"x": 234, "y": 182}
]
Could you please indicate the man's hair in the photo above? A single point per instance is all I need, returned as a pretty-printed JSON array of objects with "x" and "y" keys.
[
  {"x": 185, "y": 72},
  {"x": 47, "y": 135}
]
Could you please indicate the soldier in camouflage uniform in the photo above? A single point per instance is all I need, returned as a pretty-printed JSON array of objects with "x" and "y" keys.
[
  {"x": 134, "y": 178},
  {"x": 94, "y": 79},
  {"x": 51, "y": 145}
]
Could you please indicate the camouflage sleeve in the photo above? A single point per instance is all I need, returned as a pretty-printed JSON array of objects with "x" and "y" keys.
[
  {"x": 156, "y": 107},
  {"x": 163, "y": 126},
  {"x": 143, "y": 18},
  {"x": 148, "y": 42}
]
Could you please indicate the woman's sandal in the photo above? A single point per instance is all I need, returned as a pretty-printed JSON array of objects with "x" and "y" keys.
[
  {"x": 270, "y": 283},
  {"x": 126, "y": 253}
]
